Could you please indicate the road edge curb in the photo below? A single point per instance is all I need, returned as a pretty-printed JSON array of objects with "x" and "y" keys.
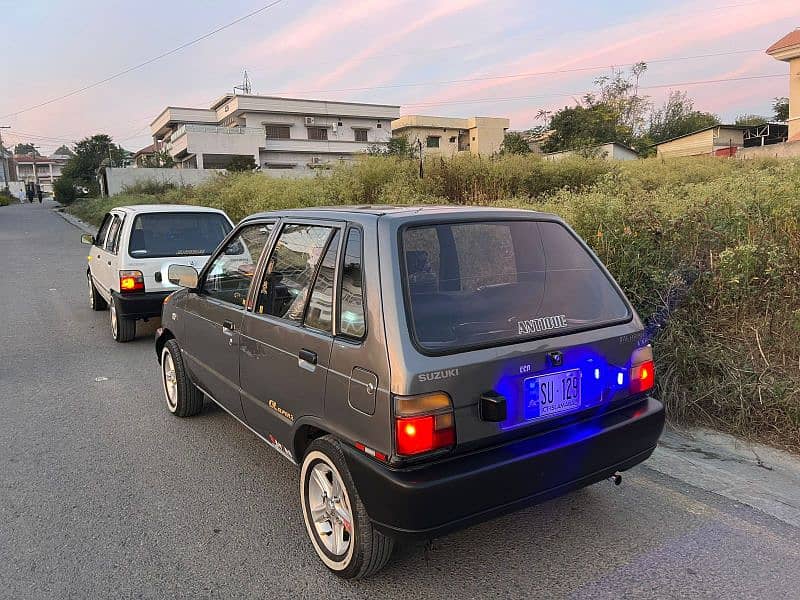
[{"x": 82, "y": 225}]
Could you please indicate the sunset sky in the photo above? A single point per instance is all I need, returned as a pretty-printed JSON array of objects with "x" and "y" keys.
[{"x": 541, "y": 55}]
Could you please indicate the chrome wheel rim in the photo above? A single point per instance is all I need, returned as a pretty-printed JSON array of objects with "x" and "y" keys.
[
  {"x": 329, "y": 509},
  {"x": 113, "y": 321},
  {"x": 169, "y": 380}
]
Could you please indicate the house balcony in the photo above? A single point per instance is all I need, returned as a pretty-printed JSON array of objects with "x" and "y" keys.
[
  {"x": 211, "y": 139},
  {"x": 318, "y": 146}
]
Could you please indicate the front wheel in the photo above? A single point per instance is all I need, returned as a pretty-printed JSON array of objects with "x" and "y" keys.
[
  {"x": 341, "y": 532},
  {"x": 181, "y": 395}
]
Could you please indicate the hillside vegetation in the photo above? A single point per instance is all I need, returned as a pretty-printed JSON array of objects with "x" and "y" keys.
[{"x": 729, "y": 356}]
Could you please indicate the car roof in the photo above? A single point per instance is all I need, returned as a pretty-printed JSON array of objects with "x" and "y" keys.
[
  {"x": 157, "y": 208},
  {"x": 405, "y": 212}
]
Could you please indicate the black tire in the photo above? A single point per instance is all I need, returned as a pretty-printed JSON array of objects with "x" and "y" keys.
[
  {"x": 188, "y": 400},
  {"x": 368, "y": 550},
  {"x": 122, "y": 328},
  {"x": 96, "y": 301}
]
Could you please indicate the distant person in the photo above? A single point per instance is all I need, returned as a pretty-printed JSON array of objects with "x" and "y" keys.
[
  {"x": 21, "y": 196},
  {"x": 29, "y": 190},
  {"x": 39, "y": 194}
]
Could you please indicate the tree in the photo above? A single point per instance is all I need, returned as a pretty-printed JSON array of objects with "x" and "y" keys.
[
  {"x": 26, "y": 149},
  {"x": 750, "y": 120},
  {"x": 515, "y": 143},
  {"x": 781, "y": 108},
  {"x": 90, "y": 154},
  {"x": 241, "y": 163},
  {"x": 677, "y": 117},
  {"x": 160, "y": 159},
  {"x": 614, "y": 113}
]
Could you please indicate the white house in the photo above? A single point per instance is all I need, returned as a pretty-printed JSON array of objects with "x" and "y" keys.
[
  {"x": 279, "y": 133},
  {"x": 609, "y": 151}
]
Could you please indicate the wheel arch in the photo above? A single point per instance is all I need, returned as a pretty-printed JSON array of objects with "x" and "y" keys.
[{"x": 161, "y": 340}]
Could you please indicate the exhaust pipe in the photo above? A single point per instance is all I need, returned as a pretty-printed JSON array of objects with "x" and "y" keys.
[{"x": 616, "y": 478}]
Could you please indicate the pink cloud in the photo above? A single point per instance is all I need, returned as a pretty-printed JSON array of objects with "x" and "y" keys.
[{"x": 655, "y": 34}]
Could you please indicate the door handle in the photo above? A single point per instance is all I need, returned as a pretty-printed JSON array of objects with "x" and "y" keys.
[
  {"x": 308, "y": 356},
  {"x": 227, "y": 326}
]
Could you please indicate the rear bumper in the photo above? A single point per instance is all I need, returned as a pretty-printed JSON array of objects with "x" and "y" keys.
[
  {"x": 144, "y": 305},
  {"x": 429, "y": 501}
]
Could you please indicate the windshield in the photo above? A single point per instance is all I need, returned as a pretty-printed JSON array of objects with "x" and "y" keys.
[
  {"x": 487, "y": 283},
  {"x": 158, "y": 235}
]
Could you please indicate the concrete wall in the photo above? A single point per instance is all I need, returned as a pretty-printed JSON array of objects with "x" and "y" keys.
[
  {"x": 787, "y": 150},
  {"x": 794, "y": 98},
  {"x": 486, "y": 135},
  {"x": 120, "y": 178},
  {"x": 690, "y": 145}
]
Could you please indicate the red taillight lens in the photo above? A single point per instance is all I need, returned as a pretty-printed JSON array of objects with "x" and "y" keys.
[
  {"x": 423, "y": 424},
  {"x": 131, "y": 281},
  {"x": 643, "y": 370}
]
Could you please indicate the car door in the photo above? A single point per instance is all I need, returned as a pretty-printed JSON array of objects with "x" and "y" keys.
[
  {"x": 99, "y": 259},
  {"x": 286, "y": 340},
  {"x": 214, "y": 315},
  {"x": 111, "y": 250}
]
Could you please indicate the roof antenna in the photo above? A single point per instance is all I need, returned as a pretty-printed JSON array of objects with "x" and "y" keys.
[{"x": 245, "y": 87}]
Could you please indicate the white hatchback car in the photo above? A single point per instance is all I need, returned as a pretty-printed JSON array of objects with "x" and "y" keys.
[{"x": 133, "y": 250}]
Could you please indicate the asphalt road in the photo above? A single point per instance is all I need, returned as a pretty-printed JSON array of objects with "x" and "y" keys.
[{"x": 103, "y": 494}]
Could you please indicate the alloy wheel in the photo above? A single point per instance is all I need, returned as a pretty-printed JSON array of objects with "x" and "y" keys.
[
  {"x": 330, "y": 510},
  {"x": 169, "y": 380}
]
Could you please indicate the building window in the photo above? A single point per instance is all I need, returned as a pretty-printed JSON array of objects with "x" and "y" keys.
[
  {"x": 278, "y": 132},
  {"x": 270, "y": 165},
  {"x": 379, "y": 125},
  {"x": 318, "y": 133},
  {"x": 432, "y": 141},
  {"x": 361, "y": 135},
  {"x": 453, "y": 139}
]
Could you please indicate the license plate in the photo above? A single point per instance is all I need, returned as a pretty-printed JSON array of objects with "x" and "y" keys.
[{"x": 552, "y": 394}]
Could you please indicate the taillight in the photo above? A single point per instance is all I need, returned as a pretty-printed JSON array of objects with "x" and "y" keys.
[
  {"x": 423, "y": 423},
  {"x": 131, "y": 281},
  {"x": 643, "y": 370}
]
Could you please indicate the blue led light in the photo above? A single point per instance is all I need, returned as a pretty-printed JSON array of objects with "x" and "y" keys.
[
  {"x": 620, "y": 378},
  {"x": 597, "y": 373}
]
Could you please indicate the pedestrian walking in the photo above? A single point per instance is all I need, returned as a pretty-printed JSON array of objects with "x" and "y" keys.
[
  {"x": 39, "y": 193},
  {"x": 29, "y": 191},
  {"x": 21, "y": 196}
]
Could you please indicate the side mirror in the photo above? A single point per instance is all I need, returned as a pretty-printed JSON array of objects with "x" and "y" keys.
[
  {"x": 183, "y": 275},
  {"x": 87, "y": 239}
]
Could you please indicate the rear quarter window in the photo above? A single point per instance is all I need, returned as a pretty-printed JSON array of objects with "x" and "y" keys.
[{"x": 475, "y": 284}]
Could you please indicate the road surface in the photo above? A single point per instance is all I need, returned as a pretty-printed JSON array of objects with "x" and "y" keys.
[{"x": 104, "y": 494}]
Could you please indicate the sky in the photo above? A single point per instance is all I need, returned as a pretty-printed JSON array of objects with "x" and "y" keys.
[{"x": 506, "y": 58}]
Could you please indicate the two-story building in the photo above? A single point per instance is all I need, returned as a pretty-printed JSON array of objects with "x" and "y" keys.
[
  {"x": 278, "y": 133},
  {"x": 447, "y": 136},
  {"x": 44, "y": 170}
]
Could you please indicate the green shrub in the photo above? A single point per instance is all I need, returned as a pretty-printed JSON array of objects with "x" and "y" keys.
[
  {"x": 64, "y": 190},
  {"x": 150, "y": 187}
]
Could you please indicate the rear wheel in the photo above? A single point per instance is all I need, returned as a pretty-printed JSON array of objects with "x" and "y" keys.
[
  {"x": 96, "y": 301},
  {"x": 336, "y": 521},
  {"x": 182, "y": 396},
  {"x": 122, "y": 328}
]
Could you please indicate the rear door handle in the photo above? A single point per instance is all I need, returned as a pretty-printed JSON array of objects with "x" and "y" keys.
[
  {"x": 227, "y": 326},
  {"x": 308, "y": 356}
]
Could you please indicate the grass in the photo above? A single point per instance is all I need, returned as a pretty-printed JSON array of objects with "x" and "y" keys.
[{"x": 729, "y": 357}]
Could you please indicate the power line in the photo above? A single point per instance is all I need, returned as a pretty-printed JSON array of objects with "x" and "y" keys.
[
  {"x": 523, "y": 75},
  {"x": 145, "y": 63},
  {"x": 577, "y": 94}
]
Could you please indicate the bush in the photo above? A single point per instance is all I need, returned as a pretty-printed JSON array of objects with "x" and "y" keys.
[
  {"x": 5, "y": 197},
  {"x": 149, "y": 186},
  {"x": 64, "y": 190}
]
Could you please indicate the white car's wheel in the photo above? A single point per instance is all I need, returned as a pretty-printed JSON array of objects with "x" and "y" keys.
[
  {"x": 96, "y": 301},
  {"x": 337, "y": 523},
  {"x": 122, "y": 328}
]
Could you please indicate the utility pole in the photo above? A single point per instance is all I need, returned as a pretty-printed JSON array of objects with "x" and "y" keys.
[
  {"x": 5, "y": 160},
  {"x": 35, "y": 172},
  {"x": 421, "y": 168}
]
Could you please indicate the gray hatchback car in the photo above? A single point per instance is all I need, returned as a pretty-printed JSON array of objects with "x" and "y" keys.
[{"x": 426, "y": 367}]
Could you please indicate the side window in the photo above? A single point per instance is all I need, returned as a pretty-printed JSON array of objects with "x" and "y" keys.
[
  {"x": 352, "y": 320},
  {"x": 290, "y": 269},
  {"x": 320, "y": 307},
  {"x": 100, "y": 238},
  {"x": 228, "y": 277},
  {"x": 112, "y": 239}
]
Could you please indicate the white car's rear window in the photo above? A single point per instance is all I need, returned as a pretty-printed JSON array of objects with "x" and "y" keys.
[
  {"x": 159, "y": 235},
  {"x": 473, "y": 284}
]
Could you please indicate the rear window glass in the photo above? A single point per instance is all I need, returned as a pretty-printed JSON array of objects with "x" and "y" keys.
[
  {"x": 158, "y": 235},
  {"x": 477, "y": 284}
]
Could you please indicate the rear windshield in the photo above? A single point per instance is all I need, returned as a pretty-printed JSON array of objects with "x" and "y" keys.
[
  {"x": 490, "y": 283},
  {"x": 158, "y": 235}
]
